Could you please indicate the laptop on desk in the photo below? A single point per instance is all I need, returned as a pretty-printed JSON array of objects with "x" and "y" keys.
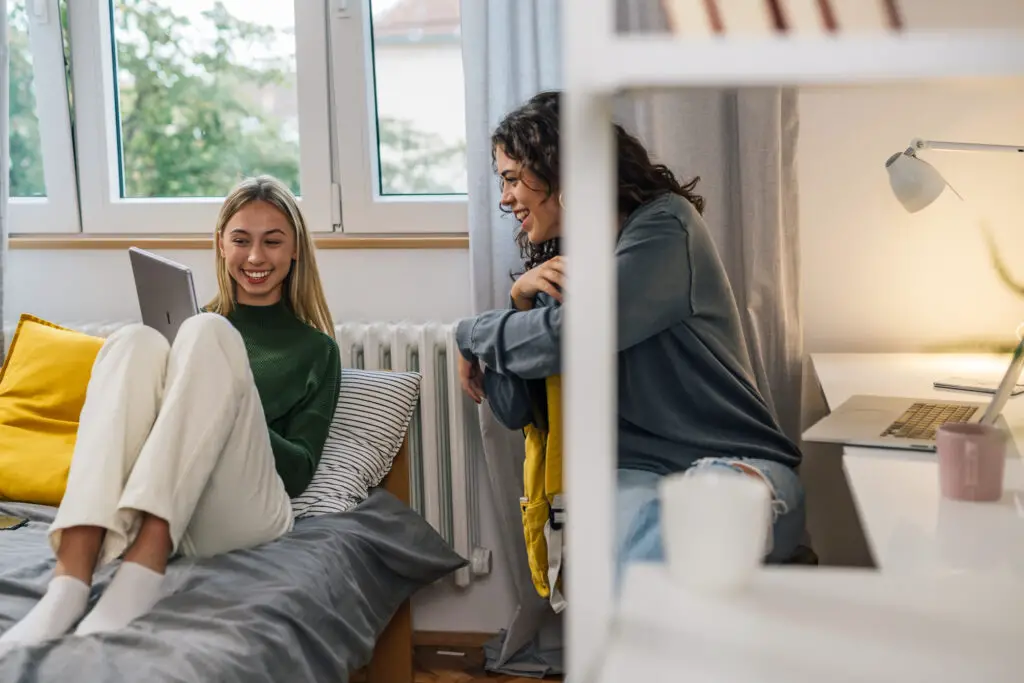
[
  {"x": 909, "y": 423},
  {"x": 165, "y": 290}
]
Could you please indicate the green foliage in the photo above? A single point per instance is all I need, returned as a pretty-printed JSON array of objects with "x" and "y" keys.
[
  {"x": 417, "y": 162},
  {"x": 191, "y": 125},
  {"x": 192, "y": 116},
  {"x": 26, "y": 173}
]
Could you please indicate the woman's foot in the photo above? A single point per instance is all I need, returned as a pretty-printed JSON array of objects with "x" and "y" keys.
[
  {"x": 62, "y": 605},
  {"x": 132, "y": 592}
]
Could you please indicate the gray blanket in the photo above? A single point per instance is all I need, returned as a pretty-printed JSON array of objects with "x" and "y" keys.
[{"x": 307, "y": 607}]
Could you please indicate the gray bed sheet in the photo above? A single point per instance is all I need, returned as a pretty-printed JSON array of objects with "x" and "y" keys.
[{"x": 307, "y": 607}]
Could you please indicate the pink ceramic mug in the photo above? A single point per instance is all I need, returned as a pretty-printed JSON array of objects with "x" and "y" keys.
[{"x": 972, "y": 458}]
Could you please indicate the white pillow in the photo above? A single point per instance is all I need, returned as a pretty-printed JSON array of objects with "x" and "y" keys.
[{"x": 373, "y": 414}]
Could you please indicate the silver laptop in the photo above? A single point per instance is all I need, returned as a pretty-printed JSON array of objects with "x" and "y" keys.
[
  {"x": 165, "y": 290},
  {"x": 910, "y": 423}
]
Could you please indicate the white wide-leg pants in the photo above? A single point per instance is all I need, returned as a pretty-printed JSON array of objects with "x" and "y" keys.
[{"x": 177, "y": 432}]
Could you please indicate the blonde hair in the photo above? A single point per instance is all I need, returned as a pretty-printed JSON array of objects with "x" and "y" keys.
[{"x": 302, "y": 290}]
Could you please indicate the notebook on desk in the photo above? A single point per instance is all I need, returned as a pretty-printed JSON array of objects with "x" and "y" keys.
[{"x": 909, "y": 423}]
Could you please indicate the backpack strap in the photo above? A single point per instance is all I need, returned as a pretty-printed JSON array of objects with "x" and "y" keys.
[{"x": 553, "y": 535}]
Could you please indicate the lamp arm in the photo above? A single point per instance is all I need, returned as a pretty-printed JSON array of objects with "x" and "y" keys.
[{"x": 918, "y": 144}]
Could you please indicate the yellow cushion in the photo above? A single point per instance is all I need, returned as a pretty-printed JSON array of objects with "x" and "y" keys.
[{"x": 42, "y": 389}]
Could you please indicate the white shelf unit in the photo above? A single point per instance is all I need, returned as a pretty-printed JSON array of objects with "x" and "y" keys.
[
  {"x": 663, "y": 60},
  {"x": 597, "y": 64}
]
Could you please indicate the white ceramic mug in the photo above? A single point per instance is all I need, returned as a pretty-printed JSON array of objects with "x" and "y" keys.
[{"x": 714, "y": 526}]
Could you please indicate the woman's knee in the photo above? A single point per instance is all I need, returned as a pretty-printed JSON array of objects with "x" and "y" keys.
[
  {"x": 789, "y": 510},
  {"x": 784, "y": 483},
  {"x": 209, "y": 337},
  {"x": 787, "y": 500},
  {"x": 208, "y": 328},
  {"x": 140, "y": 341}
]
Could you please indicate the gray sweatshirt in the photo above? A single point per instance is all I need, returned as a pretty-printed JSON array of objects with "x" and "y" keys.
[{"x": 686, "y": 389}]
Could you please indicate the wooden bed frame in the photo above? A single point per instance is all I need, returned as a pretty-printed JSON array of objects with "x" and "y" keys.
[{"x": 392, "y": 656}]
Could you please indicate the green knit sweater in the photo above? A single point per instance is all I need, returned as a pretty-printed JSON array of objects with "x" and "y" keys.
[{"x": 297, "y": 370}]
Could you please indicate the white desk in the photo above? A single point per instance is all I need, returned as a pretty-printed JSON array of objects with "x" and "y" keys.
[
  {"x": 945, "y": 607},
  {"x": 810, "y": 625},
  {"x": 909, "y": 526}
]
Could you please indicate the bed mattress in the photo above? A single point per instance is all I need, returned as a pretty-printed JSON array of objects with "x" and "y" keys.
[{"x": 307, "y": 607}]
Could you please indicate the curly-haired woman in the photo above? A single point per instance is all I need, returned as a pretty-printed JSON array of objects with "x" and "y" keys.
[{"x": 686, "y": 390}]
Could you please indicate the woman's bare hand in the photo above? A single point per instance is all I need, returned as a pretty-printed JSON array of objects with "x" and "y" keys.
[
  {"x": 548, "y": 277},
  {"x": 471, "y": 377}
]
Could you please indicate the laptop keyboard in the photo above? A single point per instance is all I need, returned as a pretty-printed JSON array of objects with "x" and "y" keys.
[{"x": 921, "y": 420}]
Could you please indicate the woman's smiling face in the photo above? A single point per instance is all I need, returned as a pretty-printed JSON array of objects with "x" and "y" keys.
[
  {"x": 258, "y": 246},
  {"x": 524, "y": 194}
]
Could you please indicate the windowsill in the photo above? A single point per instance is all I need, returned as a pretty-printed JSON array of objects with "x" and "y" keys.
[{"x": 156, "y": 242}]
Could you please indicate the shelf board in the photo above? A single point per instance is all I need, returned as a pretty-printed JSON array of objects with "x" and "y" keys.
[{"x": 666, "y": 60}]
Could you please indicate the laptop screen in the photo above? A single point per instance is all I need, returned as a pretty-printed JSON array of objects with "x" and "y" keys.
[{"x": 1005, "y": 389}]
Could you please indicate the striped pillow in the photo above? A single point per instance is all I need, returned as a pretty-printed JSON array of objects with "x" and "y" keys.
[{"x": 369, "y": 426}]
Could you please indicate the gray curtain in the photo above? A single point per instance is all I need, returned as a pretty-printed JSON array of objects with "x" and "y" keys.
[
  {"x": 511, "y": 50},
  {"x": 742, "y": 144},
  {"x": 5, "y": 176}
]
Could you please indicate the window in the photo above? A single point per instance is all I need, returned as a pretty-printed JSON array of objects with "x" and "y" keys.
[
  {"x": 419, "y": 97},
  {"x": 191, "y": 96},
  {"x": 136, "y": 116},
  {"x": 42, "y": 171},
  {"x": 205, "y": 95},
  {"x": 401, "y": 115}
]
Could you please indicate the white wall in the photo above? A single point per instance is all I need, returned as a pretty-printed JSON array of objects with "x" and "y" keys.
[
  {"x": 414, "y": 284},
  {"x": 877, "y": 278},
  {"x": 69, "y": 286}
]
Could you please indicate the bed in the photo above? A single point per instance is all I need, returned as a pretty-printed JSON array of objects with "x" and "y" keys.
[{"x": 326, "y": 600}]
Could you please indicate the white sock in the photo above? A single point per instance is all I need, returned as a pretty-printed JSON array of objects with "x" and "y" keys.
[
  {"x": 61, "y": 606},
  {"x": 132, "y": 592}
]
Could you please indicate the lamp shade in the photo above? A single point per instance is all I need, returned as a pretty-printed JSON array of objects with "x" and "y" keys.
[{"x": 915, "y": 183}]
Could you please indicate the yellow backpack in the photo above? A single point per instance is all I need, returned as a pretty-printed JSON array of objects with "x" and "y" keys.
[{"x": 542, "y": 503}]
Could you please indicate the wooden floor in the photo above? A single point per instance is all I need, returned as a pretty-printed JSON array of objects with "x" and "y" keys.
[
  {"x": 468, "y": 677},
  {"x": 468, "y": 668},
  {"x": 455, "y": 664}
]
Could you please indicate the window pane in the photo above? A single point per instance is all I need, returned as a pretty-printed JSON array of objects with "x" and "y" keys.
[
  {"x": 421, "y": 120},
  {"x": 206, "y": 95},
  {"x": 26, "y": 150}
]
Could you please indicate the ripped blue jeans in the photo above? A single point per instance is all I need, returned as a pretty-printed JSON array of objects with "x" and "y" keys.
[{"x": 638, "y": 511}]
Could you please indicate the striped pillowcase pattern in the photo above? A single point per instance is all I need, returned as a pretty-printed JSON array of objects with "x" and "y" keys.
[{"x": 370, "y": 423}]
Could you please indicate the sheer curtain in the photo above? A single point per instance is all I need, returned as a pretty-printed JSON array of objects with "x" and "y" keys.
[
  {"x": 5, "y": 175},
  {"x": 511, "y": 50}
]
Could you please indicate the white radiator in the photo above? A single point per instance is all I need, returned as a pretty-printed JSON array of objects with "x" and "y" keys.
[{"x": 444, "y": 437}]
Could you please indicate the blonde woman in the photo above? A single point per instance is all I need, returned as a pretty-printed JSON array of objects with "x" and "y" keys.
[{"x": 197, "y": 447}]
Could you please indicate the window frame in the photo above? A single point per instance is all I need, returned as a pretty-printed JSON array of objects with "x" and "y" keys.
[
  {"x": 364, "y": 209},
  {"x": 104, "y": 211},
  {"x": 57, "y": 212},
  {"x": 339, "y": 168}
]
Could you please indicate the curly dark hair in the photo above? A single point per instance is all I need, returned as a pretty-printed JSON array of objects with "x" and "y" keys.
[{"x": 529, "y": 135}]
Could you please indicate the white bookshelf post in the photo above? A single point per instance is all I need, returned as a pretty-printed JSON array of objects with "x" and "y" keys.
[
  {"x": 598, "y": 63},
  {"x": 590, "y": 367}
]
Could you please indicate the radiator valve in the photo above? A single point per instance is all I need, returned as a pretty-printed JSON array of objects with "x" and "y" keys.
[{"x": 481, "y": 561}]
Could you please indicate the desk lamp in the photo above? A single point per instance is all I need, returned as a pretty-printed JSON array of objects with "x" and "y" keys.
[{"x": 916, "y": 183}]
